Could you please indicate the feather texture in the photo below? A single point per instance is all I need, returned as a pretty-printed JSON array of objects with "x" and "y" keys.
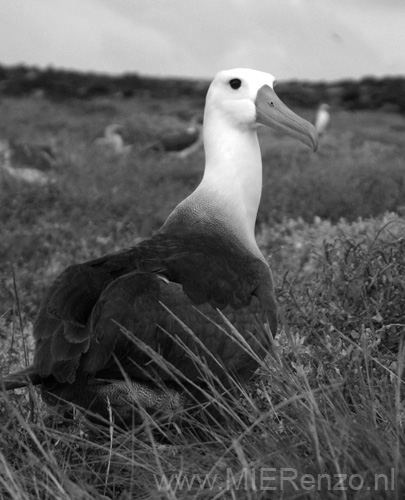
[
  {"x": 141, "y": 324},
  {"x": 82, "y": 314}
]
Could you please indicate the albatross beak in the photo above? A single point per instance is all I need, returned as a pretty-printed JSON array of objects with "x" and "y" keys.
[{"x": 271, "y": 111}]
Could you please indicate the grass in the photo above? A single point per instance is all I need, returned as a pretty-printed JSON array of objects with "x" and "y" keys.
[{"x": 329, "y": 399}]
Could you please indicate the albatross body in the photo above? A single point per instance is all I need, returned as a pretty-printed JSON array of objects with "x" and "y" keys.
[
  {"x": 113, "y": 140},
  {"x": 27, "y": 163},
  {"x": 101, "y": 321}
]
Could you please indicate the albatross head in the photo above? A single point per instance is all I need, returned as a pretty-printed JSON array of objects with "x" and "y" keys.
[
  {"x": 246, "y": 98},
  {"x": 227, "y": 199}
]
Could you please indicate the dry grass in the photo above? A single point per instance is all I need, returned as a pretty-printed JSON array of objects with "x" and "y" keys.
[{"x": 328, "y": 401}]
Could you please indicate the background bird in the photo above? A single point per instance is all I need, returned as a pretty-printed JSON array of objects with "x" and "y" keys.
[
  {"x": 29, "y": 163},
  {"x": 181, "y": 142},
  {"x": 112, "y": 141},
  {"x": 322, "y": 119},
  {"x": 149, "y": 325}
]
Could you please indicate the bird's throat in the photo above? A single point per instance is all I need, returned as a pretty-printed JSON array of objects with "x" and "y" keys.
[
  {"x": 233, "y": 175},
  {"x": 229, "y": 194}
]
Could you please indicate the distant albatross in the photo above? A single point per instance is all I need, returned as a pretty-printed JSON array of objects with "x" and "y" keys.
[
  {"x": 27, "y": 163},
  {"x": 101, "y": 321},
  {"x": 182, "y": 142},
  {"x": 322, "y": 119},
  {"x": 113, "y": 140}
]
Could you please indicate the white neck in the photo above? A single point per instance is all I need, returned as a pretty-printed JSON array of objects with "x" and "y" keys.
[
  {"x": 229, "y": 193},
  {"x": 233, "y": 170}
]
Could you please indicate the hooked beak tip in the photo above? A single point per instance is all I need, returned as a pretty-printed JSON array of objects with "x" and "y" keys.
[{"x": 315, "y": 139}]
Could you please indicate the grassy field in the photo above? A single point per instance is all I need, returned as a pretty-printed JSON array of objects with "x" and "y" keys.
[{"x": 328, "y": 403}]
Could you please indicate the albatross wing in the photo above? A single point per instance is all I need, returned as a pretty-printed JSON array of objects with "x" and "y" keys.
[{"x": 79, "y": 324}]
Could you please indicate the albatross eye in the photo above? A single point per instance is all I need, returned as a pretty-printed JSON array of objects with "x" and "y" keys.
[{"x": 235, "y": 83}]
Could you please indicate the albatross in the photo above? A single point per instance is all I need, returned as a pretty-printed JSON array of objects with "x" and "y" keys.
[
  {"x": 140, "y": 326},
  {"x": 182, "y": 142},
  {"x": 322, "y": 119},
  {"x": 28, "y": 163},
  {"x": 112, "y": 141}
]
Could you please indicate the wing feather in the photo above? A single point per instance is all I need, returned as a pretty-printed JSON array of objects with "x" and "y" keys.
[
  {"x": 82, "y": 319},
  {"x": 131, "y": 312}
]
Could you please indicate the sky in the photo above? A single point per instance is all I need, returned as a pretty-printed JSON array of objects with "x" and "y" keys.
[{"x": 316, "y": 40}]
